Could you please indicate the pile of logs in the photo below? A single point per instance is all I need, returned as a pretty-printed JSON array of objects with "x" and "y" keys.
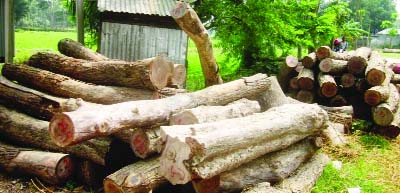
[{"x": 361, "y": 78}]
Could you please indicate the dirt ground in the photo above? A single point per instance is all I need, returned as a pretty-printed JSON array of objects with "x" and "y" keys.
[{"x": 10, "y": 184}]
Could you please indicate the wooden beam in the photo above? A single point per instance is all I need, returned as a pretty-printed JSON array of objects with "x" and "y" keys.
[
  {"x": 79, "y": 21},
  {"x": 9, "y": 30}
]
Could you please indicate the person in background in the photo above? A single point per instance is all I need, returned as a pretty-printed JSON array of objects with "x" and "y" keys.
[
  {"x": 336, "y": 45},
  {"x": 343, "y": 45}
]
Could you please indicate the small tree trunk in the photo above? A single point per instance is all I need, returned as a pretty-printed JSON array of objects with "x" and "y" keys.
[
  {"x": 305, "y": 96},
  {"x": 327, "y": 84},
  {"x": 211, "y": 148},
  {"x": 64, "y": 86},
  {"x": 75, "y": 49},
  {"x": 377, "y": 95},
  {"x": 332, "y": 66},
  {"x": 189, "y": 22},
  {"x": 305, "y": 79},
  {"x": 286, "y": 71},
  {"x": 376, "y": 71},
  {"x": 73, "y": 127},
  {"x": 348, "y": 80},
  {"x": 309, "y": 60},
  {"x": 358, "y": 62},
  {"x": 151, "y": 73},
  {"x": 54, "y": 168},
  {"x": 383, "y": 114}
]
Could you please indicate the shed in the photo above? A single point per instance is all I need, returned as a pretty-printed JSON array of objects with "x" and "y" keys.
[
  {"x": 382, "y": 39},
  {"x": 138, "y": 29}
]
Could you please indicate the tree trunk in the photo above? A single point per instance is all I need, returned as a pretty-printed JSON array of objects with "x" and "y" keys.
[
  {"x": 286, "y": 71},
  {"x": 167, "y": 92},
  {"x": 54, "y": 168},
  {"x": 327, "y": 84},
  {"x": 358, "y": 62},
  {"x": 273, "y": 96},
  {"x": 208, "y": 149},
  {"x": 348, "y": 80},
  {"x": 189, "y": 22},
  {"x": 305, "y": 79},
  {"x": 146, "y": 142},
  {"x": 73, "y": 127},
  {"x": 272, "y": 167},
  {"x": 309, "y": 60},
  {"x": 140, "y": 177},
  {"x": 332, "y": 133},
  {"x": 151, "y": 73},
  {"x": 376, "y": 71},
  {"x": 383, "y": 114},
  {"x": 178, "y": 77},
  {"x": 305, "y": 96},
  {"x": 64, "y": 86},
  {"x": 332, "y": 66},
  {"x": 324, "y": 52},
  {"x": 377, "y": 95},
  {"x": 26, "y": 130},
  {"x": 338, "y": 101},
  {"x": 75, "y": 49}
]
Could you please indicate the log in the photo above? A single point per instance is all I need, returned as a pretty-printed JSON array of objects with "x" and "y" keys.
[
  {"x": 358, "y": 62},
  {"x": 273, "y": 96},
  {"x": 286, "y": 71},
  {"x": 75, "y": 49},
  {"x": 324, "y": 52},
  {"x": 376, "y": 71},
  {"x": 25, "y": 130},
  {"x": 90, "y": 174},
  {"x": 178, "y": 77},
  {"x": 34, "y": 103},
  {"x": 348, "y": 80},
  {"x": 205, "y": 150},
  {"x": 189, "y": 22},
  {"x": 54, "y": 168},
  {"x": 332, "y": 66},
  {"x": 383, "y": 114},
  {"x": 73, "y": 127},
  {"x": 139, "y": 177},
  {"x": 272, "y": 167},
  {"x": 327, "y": 84},
  {"x": 332, "y": 134},
  {"x": 362, "y": 85},
  {"x": 387, "y": 50},
  {"x": 146, "y": 142},
  {"x": 305, "y": 96},
  {"x": 167, "y": 92},
  {"x": 395, "y": 79},
  {"x": 119, "y": 155},
  {"x": 151, "y": 73},
  {"x": 393, "y": 129},
  {"x": 377, "y": 95},
  {"x": 340, "y": 109},
  {"x": 263, "y": 187},
  {"x": 342, "y": 55},
  {"x": 293, "y": 84},
  {"x": 207, "y": 185},
  {"x": 338, "y": 101},
  {"x": 305, "y": 79},
  {"x": 309, "y": 60},
  {"x": 343, "y": 119},
  {"x": 64, "y": 86}
]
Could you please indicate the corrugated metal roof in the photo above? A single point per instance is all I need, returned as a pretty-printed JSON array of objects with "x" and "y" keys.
[{"x": 146, "y": 7}]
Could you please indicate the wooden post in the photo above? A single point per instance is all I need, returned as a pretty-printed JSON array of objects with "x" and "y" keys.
[
  {"x": 9, "y": 30},
  {"x": 79, "y": 21}
]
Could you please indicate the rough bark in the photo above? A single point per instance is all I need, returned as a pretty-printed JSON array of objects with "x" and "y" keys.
[
  {"x": 262, "y": 187},
  {"x": 75, "y": 49},
  {"x": 73, "y": 127},
  {"x": 146, "y": 142},
  {"x": 125, "y": 135},
  {"x": 205, "y": 150},
  {"x": 332, "y": 66},
  {"x": 327, "y": 84},
  {"x": 25, "y": 130},
  {"x": 348, "y": 80},
  {"x": 64, "y": 86},
  {"x": 309, "y": 60},
  {"x": 343, "y": 56},
  {"x": 273, "y": 96},
  {"x": 189, "y": 22},
  {"x": 286, "y": 71},
  {"x": 338, "y": 101},
  {"x": 151, "y": 73},
  {"x": 324, "y": 52},
  {"x": 305, "y": 96},
  {"x": 54, "y": 168},
  {"x": 376, "y": 71},
  {"x": 305, "y": 79},
  {"x": 140, "y": 177},
  {"x": 340, "y": 109},
  {"x": 178, "y": 77},
  {"x": 333, "y": 134},
  {"x": 167, "y": 92},
  {"x": 377, "y": 95},
  {"x": 383, "y": 114},
  {"x": 358, "y": 62},
  {"x": 272, "y": 167}
]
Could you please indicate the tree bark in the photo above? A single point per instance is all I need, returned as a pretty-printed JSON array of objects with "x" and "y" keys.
[
  {"x": 151, "y": 73},
  {"x": 393, "y": 129},
  {"x": 26, "y": 130},
  {"x": 167, "y": 92},
  {"x": 383, "y": 114},
  {"x": 178, "y": 77},
  {"x": 305, "y": 96},
  {"x": 64, "y": 86},
  {"x": 333, "y": 135},
  {"x": 377, "y": 95},
  {"x": 324, "y": 52},
  {"x": 348, "y": 80},
  {"x": 340, "y": 109},
  {"x": 327, "y": 84},
  {"x": 206, "y": 150},
  {"x": 189, "y": 22},
  {"x": 332, "y": 66},
  {"x": 263, "y": 187},
  {"x": 286, "y": 71},
  {"x": 305, "y": 79},
  {"x": 273, "y": 96},
  {"x": 342, "y": 56},
  {"x": 75, "y": 49},
  {"x": 359, "y": 61},
  {"x": 54, "y": 168},
  {"x": 343, "y": 119},
  {"x": 376, "y": 71},
  {"x": 73, "y": 127},
  {"x": 309, "y": 60}
]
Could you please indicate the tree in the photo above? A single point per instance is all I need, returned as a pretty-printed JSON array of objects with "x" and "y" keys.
[
  {"x": 391, "y": 27},
  {"x": 21, "y": 8}
]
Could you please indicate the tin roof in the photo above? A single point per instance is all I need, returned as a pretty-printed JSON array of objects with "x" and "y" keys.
[{"x": 145, "y": 7}]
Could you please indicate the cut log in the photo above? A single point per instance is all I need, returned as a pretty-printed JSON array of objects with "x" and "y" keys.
[
  {"x": 64, "y": 86},
  {"x": 383, "y": 114},
  {"x": 327, "y": 84},
  {"x": 332, "y": 66},
  {"x": 272, "y": 167},
  {"x": 375, "y": 72},
  {"x": 324, "y": 52},
  {"x": 189, "y": 22},
  {"x": 377, "y": 95},
  {"x": 75, "y": 49},
  {"x": 305, "y": 79},
  {"x": 151, "y": 73},
  {"x": 293, "y": 84},
  {"x": 309, "y": 60},
  {"x": 305, "y": 96},
  {"x": 338, "y": 101},
  {"x": 26, "y": 130},
  {"x": 34, "y": 103},
  {"x": 342, "y": 55},
  {"x": 393, "y": 129},
  {"x": 140, "y": 177},
  {"x": 54, "y": 168},
  {"x": 273, "y": 96},
  {"x": 362, "y": 85},
  {"x": 146, "y": 142},
  {"x": 333, "y": 134},
  {"x": 286, "y": 71},
  {"x": 208, "y": 149},
  {"x": 348, "y": 80},
  {"x": 167, "y": 92},
  {"x": 73, "y": 127},
  {"x": 395, "y": 79},
  {"x": 178, "y": 77},
  {"x": 358, "y": 62}
]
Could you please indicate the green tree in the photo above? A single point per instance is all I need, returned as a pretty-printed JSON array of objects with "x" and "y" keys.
[
  {"x": 21, "y": 8},
  {"x": 392, "y": 29}
]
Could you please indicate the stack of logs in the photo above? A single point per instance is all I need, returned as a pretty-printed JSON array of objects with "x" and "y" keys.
[{"x": 361, "y": 78}]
